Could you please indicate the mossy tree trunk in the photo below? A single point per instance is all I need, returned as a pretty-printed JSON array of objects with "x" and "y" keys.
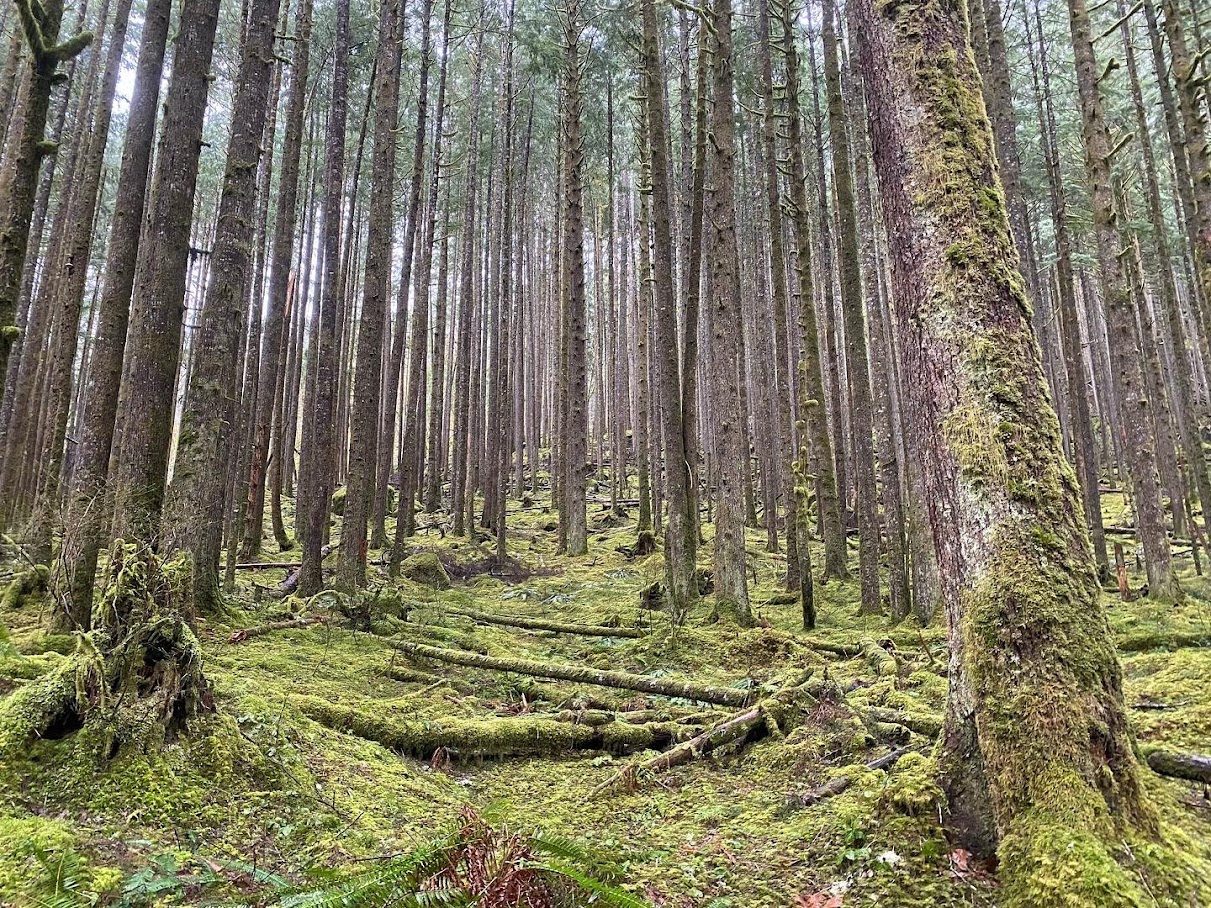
[
  {"x": 1134, "y": 408},
  {"x": 87, "y": 497},
  {"x": 1036, "y": 757},
  {"x": 815, "y": 448},
  {"x": 194, "y": 504},
  {"x": 778, "y": 274}
]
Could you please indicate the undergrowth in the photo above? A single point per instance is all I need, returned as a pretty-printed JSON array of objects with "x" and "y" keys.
[{"x": 260, "y": 803}]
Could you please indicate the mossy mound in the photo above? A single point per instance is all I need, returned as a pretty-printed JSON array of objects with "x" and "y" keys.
[
  {"x": 26, "y": 585},
  {"x": 426, "y": 569}
]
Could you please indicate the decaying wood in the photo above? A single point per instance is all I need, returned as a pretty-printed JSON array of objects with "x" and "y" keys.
[
  {"x": 765, "y": 717},
  {"x": 730, "y": 731},
  {"x": 500, "y": 737},
  {"x": 291, "y": 583},
  {"x": 1193, "y": 767},
  {"x": 665, "y": 687},
  {"x": 259, "y": 630},
  {"x": 542, "y": 624},
  {"x": 925, "y": 725},
  {"x": 841, "y": 783}
]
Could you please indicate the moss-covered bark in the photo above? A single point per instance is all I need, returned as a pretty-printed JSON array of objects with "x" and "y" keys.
[
  {"x": 502, "y": 737},
  {"x": 1036, "y": 757},
  {"x": 668, "y": 687}
]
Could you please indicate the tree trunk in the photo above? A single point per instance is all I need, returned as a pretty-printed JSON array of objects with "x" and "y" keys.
[
  {"x": 149, "y": 382},
  {"x": 376, "y": 290},
  {"x": 193, "y": 506},
  {"x": 1134, "y": 410},
  {"x": 320, "y": 459},
  {"x": 1036, "y": 754},
  {"x": 276, "y": 330},
  {"x": 87, "y": 502}
]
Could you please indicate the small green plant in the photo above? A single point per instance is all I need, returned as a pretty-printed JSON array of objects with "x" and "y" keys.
[{"x": 476, "y": 864}]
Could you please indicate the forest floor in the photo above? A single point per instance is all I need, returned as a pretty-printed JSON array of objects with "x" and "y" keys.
[{"x": 273, "y": 785}]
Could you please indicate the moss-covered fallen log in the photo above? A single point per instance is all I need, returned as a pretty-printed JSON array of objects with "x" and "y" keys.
[
  {"x": 665, "y": 687},
  {"x": 733, "y": 730},
  {"x": 500, "y": 737},
  {"x": 925, "y": 725},
  {"x": 1192, "y": 767},
  {"x": 841, "y": 783},
  {"x": 542, "y": 624},
  {"x": 879, "y": 658},
  {"x": 766, "y": 717},
  {"x": 247, "y": 633},
  {"x": 1143, "y": 643},
  {"x": 846, "y": 650}
]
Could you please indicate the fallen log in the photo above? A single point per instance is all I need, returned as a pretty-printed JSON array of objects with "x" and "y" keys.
[
  {"x": 259, "y": 630},
  {"x": 879, "y": 658},
  {"x": 542, "y": 624},
  {"x": 665, "y": 687},
  {"x": 269, "y": 566},
  {"x": 841, "y": 783},
  {"x": 1179, "y": 640},
  {"x": 291, "y": 583},
  {"x": 848, "y": 650},
  {"x": 765, "y": 717},
  {"x": 925, "y": 725},
  {"x": 501, "y": 737},
  {"x": 737, "y": 728},
  {"x": 1192, "y": 767}
]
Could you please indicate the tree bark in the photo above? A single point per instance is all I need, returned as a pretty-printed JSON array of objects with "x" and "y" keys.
[{"x": 1036, "y": 754}]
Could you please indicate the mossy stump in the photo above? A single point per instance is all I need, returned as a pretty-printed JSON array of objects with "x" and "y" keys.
[{"x": 134, "y": 681}]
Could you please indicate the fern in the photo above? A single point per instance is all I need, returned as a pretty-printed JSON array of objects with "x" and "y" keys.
[{"x": 475, "y": 864}]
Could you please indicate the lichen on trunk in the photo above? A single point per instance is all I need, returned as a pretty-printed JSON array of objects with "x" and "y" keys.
[{"x": 1036, "y": 757}]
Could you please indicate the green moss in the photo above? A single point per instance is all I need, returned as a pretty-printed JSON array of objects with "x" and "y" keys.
[
  {"x": 426, "y": 569},
  {"x": 40, "y": 860},
  {"x": 24, "y": 586}
]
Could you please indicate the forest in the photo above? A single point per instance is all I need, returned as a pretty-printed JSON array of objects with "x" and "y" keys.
[{"x": 637, "y": 453}]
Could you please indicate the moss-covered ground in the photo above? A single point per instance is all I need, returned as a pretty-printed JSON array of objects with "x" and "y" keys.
[{"x": 258, "y": 794}]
